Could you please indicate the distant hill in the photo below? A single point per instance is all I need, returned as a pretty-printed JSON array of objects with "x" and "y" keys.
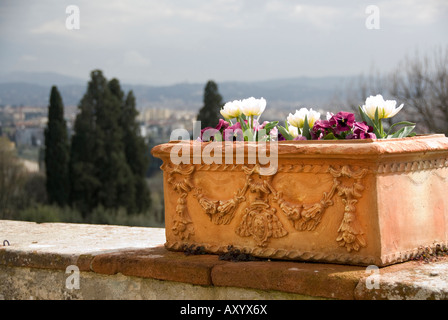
[
  {"x": 41, "y": 78},
  {"x": 33, "y": 89}
]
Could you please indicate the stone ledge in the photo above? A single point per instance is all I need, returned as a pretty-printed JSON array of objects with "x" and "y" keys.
[{"x": 138, "y": 253}]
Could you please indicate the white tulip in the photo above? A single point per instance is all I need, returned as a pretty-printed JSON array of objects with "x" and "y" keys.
[
  {"x": 386, "y": 109},
  {"x": 313, "y": 116},
  {"x": 298, "y": 119},
  {"x": 231, "y": 109},
  {"x": 293, "y": 131},
  {"x": 390, "y": 109},
  {"x": 253, "y": 107}
]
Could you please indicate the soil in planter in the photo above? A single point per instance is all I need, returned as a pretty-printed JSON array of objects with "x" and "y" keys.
[
  {"x": 431, "y": 254},
  {"x": 232, "y": 253},
  {"x": 193, "y": 250},
  {"x": 235, "y": 255}
]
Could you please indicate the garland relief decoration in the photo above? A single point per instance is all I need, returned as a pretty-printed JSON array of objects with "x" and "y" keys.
[{"x": 259, "y": 218}]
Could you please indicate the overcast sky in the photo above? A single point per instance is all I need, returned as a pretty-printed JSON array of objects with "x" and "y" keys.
[{"x": 166, "y": 42}]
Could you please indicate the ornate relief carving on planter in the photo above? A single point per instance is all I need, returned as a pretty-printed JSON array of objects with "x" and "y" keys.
[
  {"x": 179, "y": 178},
  {"x": 259, "y": 219}
]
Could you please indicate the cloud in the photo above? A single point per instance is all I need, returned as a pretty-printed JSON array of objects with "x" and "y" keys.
[
  {"x": 319, "y": 16},
  {"x": 28, "y": 58},
  {"x": 135, "y": 59},
  {"x": 414, "y": 12},
  {"x": 56, "y": 26},
  {"x": 229, "y": 39}
]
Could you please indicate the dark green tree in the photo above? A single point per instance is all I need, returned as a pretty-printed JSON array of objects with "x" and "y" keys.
[
  {"x": 136, "y": 151},
  {"x": 209, "y": 113},
  {"x": 56, "y": 152},
  {"x": 84, "y": 182},
  {"x": 109, "y": 157},
  {"x": 115, "y": 173}
]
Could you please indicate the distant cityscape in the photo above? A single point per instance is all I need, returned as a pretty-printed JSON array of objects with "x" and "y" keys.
[
  {"x": 25, "y": 125},
  {"x": 24, "y": 104}
]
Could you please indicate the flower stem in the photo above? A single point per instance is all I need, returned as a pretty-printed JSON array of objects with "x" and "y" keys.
[
  {"x": 252, "y": 126},
  {"x": 381, "y": 129}
]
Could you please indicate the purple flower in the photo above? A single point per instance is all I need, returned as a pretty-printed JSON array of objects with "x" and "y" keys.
[
  {"x": 343, "y": 121},
  {"x": 258, "y": 127},
  {"x": 203, "y": 130},
  {"x": 361, "y": 131},
  {"x": 320, "y": 129},
  {"x": 281, "y": 137},
  {"x": 299, "y": 137},
  {"x": 221, "y": 126},
  {"x": 229, "y": 133}
]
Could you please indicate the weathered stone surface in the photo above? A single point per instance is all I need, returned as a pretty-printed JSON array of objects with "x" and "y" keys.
[
  {"x": 158, "y": 263},
  {"x": 406, "y": 281},
  {"x": 76, "y": 239},
  {"x": 314, "y": 279},
  {"x": 121, "y": 267},
  {"x": 46, "y": 284}
]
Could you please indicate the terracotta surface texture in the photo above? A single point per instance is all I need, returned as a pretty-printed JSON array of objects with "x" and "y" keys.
[{"x": 357, "y": 202}]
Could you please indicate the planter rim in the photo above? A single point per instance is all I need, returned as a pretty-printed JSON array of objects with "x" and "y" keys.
[{"x": 351, "y": 148}]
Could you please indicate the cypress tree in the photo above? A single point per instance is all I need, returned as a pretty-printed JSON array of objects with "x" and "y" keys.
[
  {"x": 108, "y": 156},
  {"x": 115, "y": 174},
  {"x": 84, "y": 180},
  {"x": 56, "y": 151},
  {"x": 212, "y": 103},
  {"x": 136, "y": 152}
]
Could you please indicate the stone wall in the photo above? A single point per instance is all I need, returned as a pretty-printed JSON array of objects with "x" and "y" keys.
[{"x": 56, "y": 261}]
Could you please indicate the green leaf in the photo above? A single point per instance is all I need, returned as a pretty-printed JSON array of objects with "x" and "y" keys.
[
  {"x": 330, "y": 136},
  {"x": 249, "y": 135},
  {"x": 285, "y": 133},
  {"x": 403, "y": 132},
  {"x": 377, "y": 120},
  {"x": 217, "y": 137},
  {"x": 400, "y": 123},
  {"x": 270, "y": 126},
  {"x": 243, "y": 124},
  {"x": 370, "y": 122},
  {"x": 365, "y": 117},
  {"x": 306, "y": 129}
]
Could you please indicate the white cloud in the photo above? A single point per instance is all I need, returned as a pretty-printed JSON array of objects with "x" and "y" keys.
[
  {"x": 413, "y": 12},
  {"x": 135, "y": 59},
  {"x": 56, "y": 26}
]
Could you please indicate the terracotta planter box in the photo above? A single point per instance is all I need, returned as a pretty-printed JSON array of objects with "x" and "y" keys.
[{"x": 358, "y": 202}]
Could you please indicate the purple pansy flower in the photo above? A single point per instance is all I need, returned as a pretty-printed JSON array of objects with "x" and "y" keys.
[
  {"x": 343, "y": 121},
  {"x": 229, "y": 133},
  {"x": 361, "y": 131},
  {"x": 221, "y": 126},
  {"x": 320, "y": 129}
]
